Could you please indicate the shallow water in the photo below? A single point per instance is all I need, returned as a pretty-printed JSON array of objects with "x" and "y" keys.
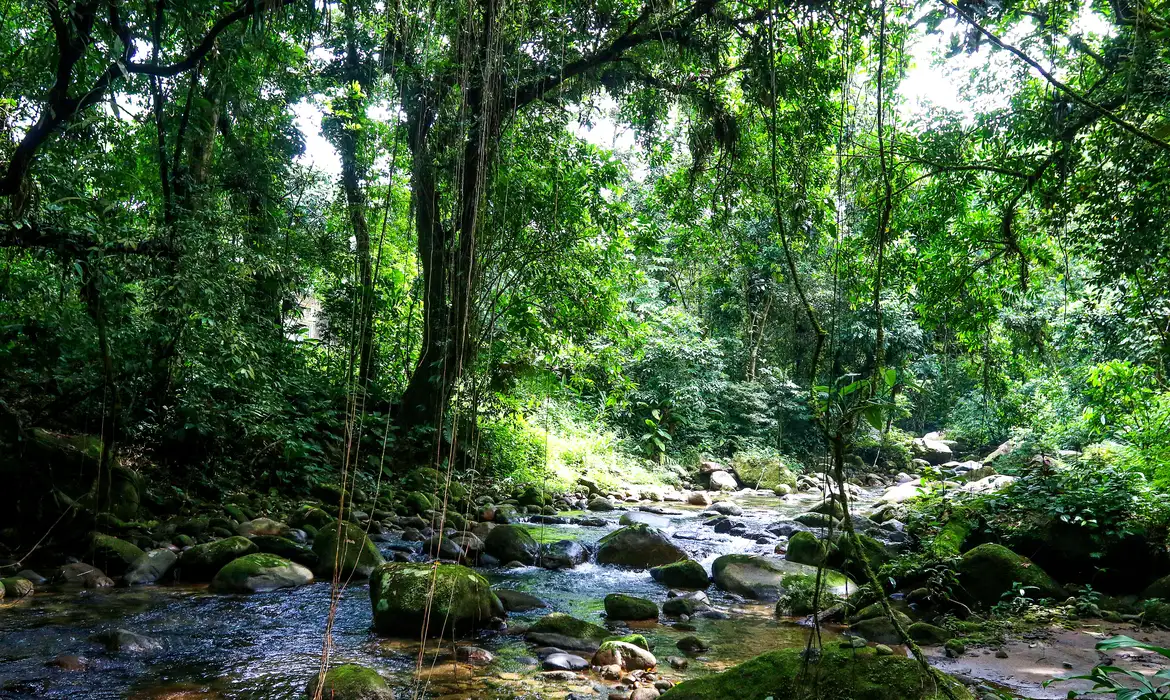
[{"x": 267, "y": 645}]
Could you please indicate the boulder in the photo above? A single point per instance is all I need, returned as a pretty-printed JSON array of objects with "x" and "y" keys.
[
  {"x": 698, "y": 498},
  {"x": 762, "y": 578},
  {"x": 989, "y": 570},
  {"x": 723, "y": 481},
  {"x": 563, "y": 554},
  {"x": 838, "y": 674},
  {"x": 687, "y": 573},
  {"x": 726, "y": 508},
  {"x": 112, "y": 554},
  {"x": 761, "y": 471},
  {"x": 638, "y": 546},
  {"x": 256, "y": 573},
  {"x": 262, "y": 526},
  {"x": 518, "y": 601},
  {"x": 310, "y": 515},
  {"x": 203, "y": 561},
  {"x": 879, "y": 629},
  {"x": 566, "y": 632},
  {"x": 122, "y": 641},
  {"x": 931, "y": 450},
  {"x": 350, "y": 682},
  {"x": 619, "y": 606},
  {"x": 462, "y": 600},
  {"x": 15, "y": 587},
  {"x": 629, "y": 657},
  {"x": 636, "y": 517},
  {"x": 150, "y": 567},
  {"x": 87, "y": 575},
  {"x": 805, "y": 548},
  {"x": 601, "y": 504},
  {"x": 925, "y": 633},
  {"x": 692, "y": 645},
  {"x": 353, "y": 553},
  {"x": 512, "y": 543},
  {"x": 284, "y": 547},
  {"x": 562, "y": 661}
]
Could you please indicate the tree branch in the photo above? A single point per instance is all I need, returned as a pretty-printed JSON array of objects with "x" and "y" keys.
[{"x": 72, "y": 244}]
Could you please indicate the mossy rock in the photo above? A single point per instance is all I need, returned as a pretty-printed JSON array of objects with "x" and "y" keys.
[
  {"x": 512, "y": 543},
  {"x": 203, "y": 561},
  {"x": 805, "y": 548},
  {"x": 988, "y": 571},
  {"x": 831, "y": 507},
  {"x": 680, "y": 605},
  {"x": 355, "y": 556},
  {"x": 532, "y": 497},
  {"x": 688, "y": 574},
  {"x": 15, "y": 587},
  {"x": 1158, "y": 589},
  {"x": 853, "y": 674},
  {"x": 948, "y": 543},
  {"x": 284, "y": 547},
  {"x": 638, "y": 546},
  {"x": 417, "y": 502},
  {"x": 762, "y": 578},
  {"x": 425, "y": 479},
  {"x": 761, "y": 471},
  {"x": 843, "y": 555},
  {"x": 879, "y": 628},
  {"x": 112, "y": 554},
  {"x": 926, "y": 633},
  {"x": 568, "y": 626},
  {"x": 462, "y": 600},
  {"x": 256, "y": 573},
  {"x": 635, "y": 639},
  {"x": 619, "y": 606},
  {"x": 350, "y": 682},
  {"x": 815, "y": 520},
  {"x": 310, "y": 516}
]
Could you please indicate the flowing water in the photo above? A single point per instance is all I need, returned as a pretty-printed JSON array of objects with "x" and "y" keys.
[{"x": 267, "y": 645}]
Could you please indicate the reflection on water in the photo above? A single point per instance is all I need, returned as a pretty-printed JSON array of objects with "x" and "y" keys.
[{"x": 267, "y": 645}]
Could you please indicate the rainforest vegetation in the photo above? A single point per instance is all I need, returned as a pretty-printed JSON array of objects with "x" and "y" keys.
[{"x": 589, "y": 348}]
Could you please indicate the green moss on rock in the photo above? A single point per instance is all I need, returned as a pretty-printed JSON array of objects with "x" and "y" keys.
[
  {"x": 925, "y": 633},
  {"x": 351, "y": 682},
  {"x": 638, "y": 546},
  {"x": 568, "y": 626},
  {"x": 462, "y": 600},
  {"x": 989, "y": 570},
  {"x": 619, "y": 606},
  {"x": 682, "y": 574},
  {"x": 112, "y": 554},
  {"x": 15, "y": 587},
  {"x": 762, "y": 578},
  {"x": 635, "y": 639},
  {"x": 259, "y": 572},
  {"x": 805, "y": 548},
  {"x": 203, "y": 561},
  {"x": 854, "y": 674},
  {"x": 758, "y": 470},
  {"x": 353, "y": 553}
]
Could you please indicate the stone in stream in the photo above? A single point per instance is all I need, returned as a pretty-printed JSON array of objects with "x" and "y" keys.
[
  {"x": 619, "y": 606},
  {"x": 638, "y": 546},
  {"x": 150, "y": 567},
  {"x": 762, "y": 578},
  {"x": 566, "y": 632},
  {"x": 562, "y": 661},
  {"x": 310, "y": 515},
  {"x": 30, "y": 575},
  {"x": 203, "y": 561},
  {"x": 844, "y": 674},
  {"x": 601, "y": 504},
  {"x": 350, "y": 682},
  {"x": 723, "y": 481},
  {"x": 563, "y": 554},
  {"x": 126, "y": 642},
  {"x": 726, "y": 508},
  {"x": 262, "y": 526},
  {"x": 401, "y": 594},
  {"x": 15, "y": 587},
  {"x": 805, "y": 548},
  {"x": 356, "y": 555},
  {"x": 111, "y": 553},
  {"x": 512, "y": 543},
  {"x": 629, "y": 657},
  {"x": 990, "y": 570},
  {"x": 518, "y": 601},
  {"x": 681, "y": 574},
  {"x": 698, "y": 498},
  {"x": 284, "y": 547},
  {"x": 256, "y": 573},
  {"x": 635, "y": 517},
  {"x": 692, "y": 645},
  {"x": 87, "y": 575}
]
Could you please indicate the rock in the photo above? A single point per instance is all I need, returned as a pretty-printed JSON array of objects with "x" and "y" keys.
[
  {"x": 692, "y": 645},
  {"x": 560, "y": 676},
  {"x": 563, "y": 554},
  {"x": 111, "y": 553},
  {"x": 989, "y": 570},
  {"x": 698, "y": 498},
  {"x": 708, "y": 467},
  {"x": 629, "y": 656},
  {"x": 678, "y": 663},
  {"x": 87, "y": 575},
  {"x": 762, "y": 578},
  {"x": 723, "y": 481},
  {"x": 619, "y": 606},
  {"x": 512, "y": 543},
  {"x": 990, "y": 484},
  {"x": 284, "y": 547},
  {"x": 564, "y": 662},
  {"x": 482, "y": 530},
  {"x": 15, "y": 587},
  {"x": 758, "y": 470},
  {"x": 506, "y": 514},
  {"x": 639, "y": 547},
  {"x": 121, "y": 641},
  {"x": 816, "y": 520},
  {"x": 955, "y": 648},
  {"x": 635, "y": 517},
  {"x": 677, "y": 607},
  {"x": 904, "y": 492},
  {"x": 883, "y": 650},
  {"x": 925, "y": 633},
  {"x": 262, "y": 526},
  {"x": 417, "y": 502},
  {"x": 474, "y": 656},
  {"x": 150, "y": 567},
  {"x": 256, "y": 573},
  {"x": 518, "y": 601},
  {"x": 350, "y": 682},
  {"x": 310, "y": 515},
  {"x": 355, "y": 556},
  {"x": 933, "y": 451},
  {"x": 566, "y": 632},
  {"x": 30, "y": 575},
  {"x": 399, "y": 594},
  {"x": 687, "y": 573},
  {"x": 203, "y": 561},
  {"x": 805, "y": 548},
  {"x": 442, "y": 547},
  {"x": 601, "y": 504},
  {"x": 726, "y": 508},
  {"x": 840, "y": 674},
  {"x": 880, "y": 629},
  {"x": 645, "y": 694}
]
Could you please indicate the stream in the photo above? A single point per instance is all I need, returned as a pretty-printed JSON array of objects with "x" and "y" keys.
[{"x": 267, "y": 645}]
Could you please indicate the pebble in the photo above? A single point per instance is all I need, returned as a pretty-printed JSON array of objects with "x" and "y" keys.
[{"x": 1001, "y": 654}]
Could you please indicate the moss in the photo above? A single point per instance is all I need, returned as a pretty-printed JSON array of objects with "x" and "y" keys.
[
  {"x": 259, "y": 572},
  {"x": 284, "y": 547},
  {"x": 814, "y": 520},
  {"x": 990, "y": 570},
  {"x": 112, "y": 554},
  {"x": 682, "y": 574},
  {"x": 799, "y": 594},
  {"x": 511, "y": 543},
  {"x": 417, "y": 502},
  {"x": 948, "y": 543},
  {"x": 15, "y": 587},
  {"x": 763, "y": 578},
  {"x": 760, "y": 470},
  {"x": 203, "y": 561},
  {"x": 925, "y": 633},
  {"x": 351, "y": 682},
  {"x": 880, "y": 629},
  {"x": 459, "y": 599},
  {"x": 619, "y": 606},
  {"x": 424, "y": 479},
  {"x": 805, "y": 548},
  {"x": 568, "y": 626},
  {"x": 310, "y": 516},
  {"x": 638, "y": 546},
  {"x": 843, "y": 555},
  {"x": 635, "y": 639},
  {"x": 1158, "y": 589},
  {"x": 854, "y": 674},
  {"x": 356, "y": 554}
]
